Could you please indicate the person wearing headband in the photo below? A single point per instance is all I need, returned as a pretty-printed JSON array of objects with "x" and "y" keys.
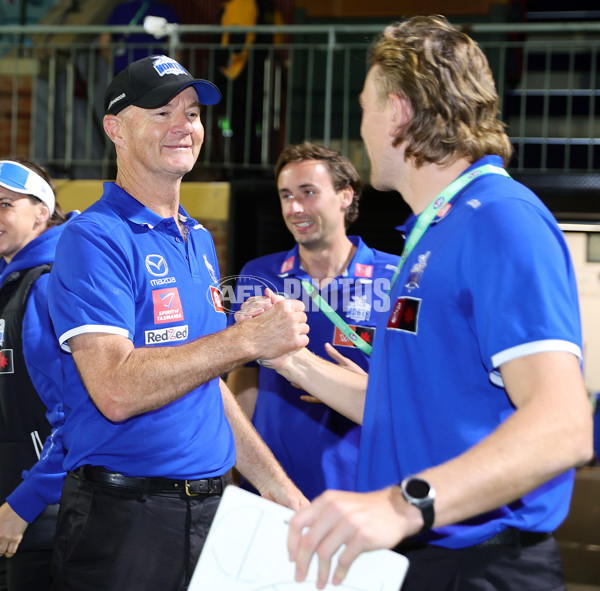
[
  {"x": 151, "y": 431},
  {"x": 31, "y": 454}
]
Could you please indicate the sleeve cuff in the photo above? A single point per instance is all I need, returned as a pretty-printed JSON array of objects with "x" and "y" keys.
[{"x": 25, "y": 503}]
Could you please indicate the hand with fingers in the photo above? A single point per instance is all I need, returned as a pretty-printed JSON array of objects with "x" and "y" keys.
[
  {"x": 12, "y": 528},
  {"x": 256, "y": 305},
  {"x": 359, "y": 521},
  {"x": 276, "y": 325}
]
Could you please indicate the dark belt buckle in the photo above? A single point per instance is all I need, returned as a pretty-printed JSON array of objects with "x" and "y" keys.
[{"x": 206, "y": 486}]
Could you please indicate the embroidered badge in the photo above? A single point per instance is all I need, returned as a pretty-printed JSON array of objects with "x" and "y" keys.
[
  {"x": 6, "y": 361},
  {"x": 405, "y": 314},
  {"x": 416, "y": 272},
  {"x": 287, "y": 265},
  {"x": 164, "y": 65},
  {"x": 217, "y": 299},
  {"x": 359, "y": 309},
  {"x": 211, "y": 270},
  {"x": 366, "y": 333},
  {"x": 363, "y": 270}
]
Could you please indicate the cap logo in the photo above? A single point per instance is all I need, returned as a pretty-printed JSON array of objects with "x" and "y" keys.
[
  {"x": 163, "y": 66},
  {"x": 116, "y": 99}
]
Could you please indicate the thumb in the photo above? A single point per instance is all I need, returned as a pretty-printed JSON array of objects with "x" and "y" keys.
[{"x": 273, "y": 296}]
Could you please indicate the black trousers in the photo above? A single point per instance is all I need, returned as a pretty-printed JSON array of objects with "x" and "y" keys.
[
  {"x": 488, "y": 568},
  {"x": 29, "y": 568},
  {"x": 112, "y": 538}
]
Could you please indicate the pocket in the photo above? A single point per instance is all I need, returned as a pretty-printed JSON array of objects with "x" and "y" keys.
[{"x": 75, "y": 506}]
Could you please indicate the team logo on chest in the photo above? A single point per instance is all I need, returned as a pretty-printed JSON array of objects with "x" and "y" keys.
[
  {"x": 416, "y": 272},
  {"x": 211, "y": 270},
  {"x": 167, "y": 305},
  {"x": 359, "y": 309}
]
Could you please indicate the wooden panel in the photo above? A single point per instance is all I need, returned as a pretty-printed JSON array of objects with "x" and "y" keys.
[{"x": 203, "y": 201}]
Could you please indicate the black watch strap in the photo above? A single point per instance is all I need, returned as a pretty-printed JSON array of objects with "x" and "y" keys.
[{"x": 428, "y": 517}]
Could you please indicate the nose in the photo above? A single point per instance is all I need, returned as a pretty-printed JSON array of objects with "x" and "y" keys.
[
  {"x": 294, "y": 206},
  {"x": 183, "y": 124}
]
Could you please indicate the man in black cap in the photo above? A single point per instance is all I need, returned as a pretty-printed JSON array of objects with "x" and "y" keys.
[{"x": 151, "y": 430}]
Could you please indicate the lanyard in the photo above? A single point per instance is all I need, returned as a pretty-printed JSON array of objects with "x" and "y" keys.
[
  {"x": 427, "y": 216},
  {"x": 335, "y": 317},
  {"x": 423, "y": 222}
]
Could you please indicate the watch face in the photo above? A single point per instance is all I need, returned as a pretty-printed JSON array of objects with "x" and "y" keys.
[{"x": 417, "y": 488}]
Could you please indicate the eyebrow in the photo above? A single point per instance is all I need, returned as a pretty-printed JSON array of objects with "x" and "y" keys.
[{"x": 302, "y": 186}]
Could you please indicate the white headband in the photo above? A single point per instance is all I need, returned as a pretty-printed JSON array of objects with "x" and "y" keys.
[{"x": 16, "y": 177}]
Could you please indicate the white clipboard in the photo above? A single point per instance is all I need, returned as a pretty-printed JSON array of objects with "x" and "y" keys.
[{"x": 246, "y": 550}]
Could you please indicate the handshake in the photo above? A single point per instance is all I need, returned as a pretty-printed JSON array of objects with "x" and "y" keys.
[{"x": 276, "y": 325}]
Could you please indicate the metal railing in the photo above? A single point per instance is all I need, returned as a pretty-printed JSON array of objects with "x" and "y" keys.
[{"x": 294, "y": 82}]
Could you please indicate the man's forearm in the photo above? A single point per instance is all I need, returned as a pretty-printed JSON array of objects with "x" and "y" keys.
[
  {"x": 125, "y": 381},
  {"x": 254, "y": 459}
]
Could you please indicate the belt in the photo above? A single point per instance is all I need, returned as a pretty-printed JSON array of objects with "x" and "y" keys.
[
  {"x": 515, "y": 537},
  {"x": 191, "y": 488}
]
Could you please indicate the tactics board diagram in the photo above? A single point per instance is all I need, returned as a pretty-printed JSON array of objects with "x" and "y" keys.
[{"x": 246, "y": 550}]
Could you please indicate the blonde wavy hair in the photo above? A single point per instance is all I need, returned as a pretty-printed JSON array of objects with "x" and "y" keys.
[{"x": 445, "y": 77}]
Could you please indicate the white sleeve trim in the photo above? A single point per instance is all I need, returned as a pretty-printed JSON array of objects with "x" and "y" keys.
[
  {"x": 529, "y": 349},
  {"x": 89, "y": 328}
]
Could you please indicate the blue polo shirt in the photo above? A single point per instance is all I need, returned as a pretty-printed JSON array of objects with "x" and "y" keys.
[
  {"x": 316, "y": 445},
  {"x": 124, "y": 270},
  {"x": 489, "y": 282}
]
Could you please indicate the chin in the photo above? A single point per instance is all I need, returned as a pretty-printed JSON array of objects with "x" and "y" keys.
[{"x": 182, "y": 165}]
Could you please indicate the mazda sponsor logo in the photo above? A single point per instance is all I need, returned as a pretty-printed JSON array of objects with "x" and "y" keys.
[
  {"x": 162, "y": 281},
  {"x": 156, "y": 265}
]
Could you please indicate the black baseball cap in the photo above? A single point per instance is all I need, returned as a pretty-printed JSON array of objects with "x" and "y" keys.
[{"x": 152, "y": 82}]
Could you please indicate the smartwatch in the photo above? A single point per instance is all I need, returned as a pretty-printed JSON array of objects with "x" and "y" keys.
[{"x": 420, "y": 493}]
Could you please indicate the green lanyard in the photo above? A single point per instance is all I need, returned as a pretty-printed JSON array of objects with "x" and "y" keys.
[
  {"x": 423, "y": 222},
  {"x": 335, "y": 317},
  {"x": 427, "y": 216}
]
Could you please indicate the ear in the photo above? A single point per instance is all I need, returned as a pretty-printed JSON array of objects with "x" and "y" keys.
[
  {"x": 347, "y": 196},
  {"x": 400, "y": 112},
  {"x": 112, "y": 127},
  {"x": 42, "y": 215}
]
